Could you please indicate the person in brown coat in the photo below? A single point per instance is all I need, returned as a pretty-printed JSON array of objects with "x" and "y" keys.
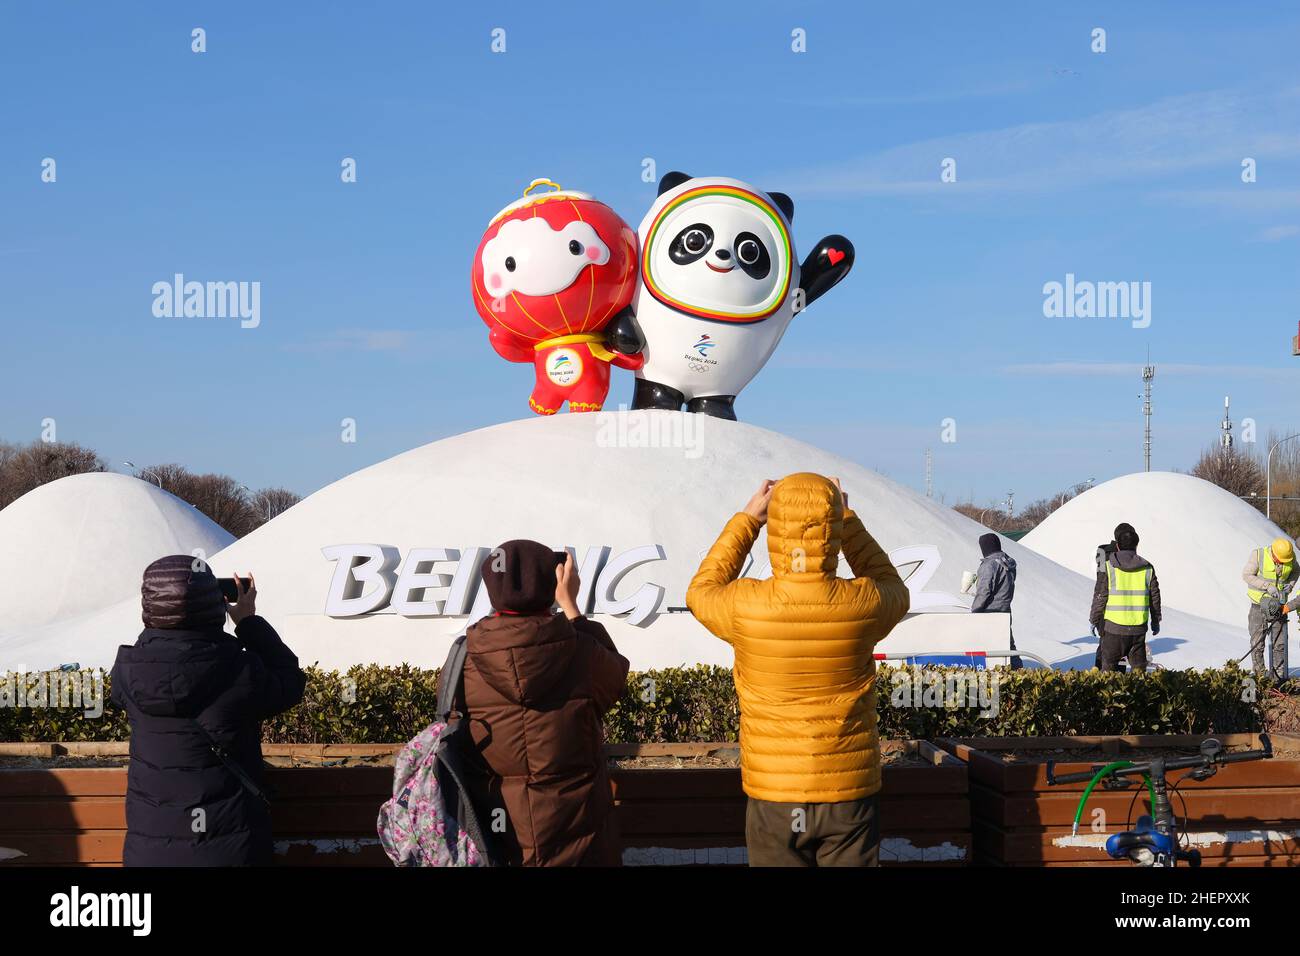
[{"x": 537, "y": 685}]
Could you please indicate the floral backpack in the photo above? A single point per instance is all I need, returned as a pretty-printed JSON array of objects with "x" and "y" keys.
[{"x": 430, "y": 820}]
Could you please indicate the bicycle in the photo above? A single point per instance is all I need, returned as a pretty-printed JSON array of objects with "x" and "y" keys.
[{"x": 1155, "y": 841}]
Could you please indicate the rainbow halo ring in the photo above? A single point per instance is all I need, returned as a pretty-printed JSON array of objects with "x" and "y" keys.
[{"x": 718, "y": 251}]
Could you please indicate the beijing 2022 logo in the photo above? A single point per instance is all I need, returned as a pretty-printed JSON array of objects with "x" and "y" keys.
[
  {"x": 564, "y": 366},
  {"x": 700, "y": 361}
]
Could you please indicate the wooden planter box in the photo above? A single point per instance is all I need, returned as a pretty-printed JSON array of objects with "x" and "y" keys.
[
  {"x": 327, "y": 800},
  {"x": 329, "y": 795},
  {"x": 697, "y": 816},
  {"x": 1248, "y": 814}
]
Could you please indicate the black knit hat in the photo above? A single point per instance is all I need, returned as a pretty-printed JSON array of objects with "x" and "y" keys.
[
  {"x": 1126, "y": 539},
  {"x": 520, "y": 577},
  {"x": 989, "y": 544},
  {"x": 181, "y": 592}
]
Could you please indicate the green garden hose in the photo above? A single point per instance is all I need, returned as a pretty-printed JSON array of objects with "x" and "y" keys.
[{"x": 1117, "y": 765}]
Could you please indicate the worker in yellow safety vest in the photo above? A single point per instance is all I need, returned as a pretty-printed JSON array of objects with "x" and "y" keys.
[
  {"x": 1125, "y": 600},
  {"x": 1270, "y": 575}
]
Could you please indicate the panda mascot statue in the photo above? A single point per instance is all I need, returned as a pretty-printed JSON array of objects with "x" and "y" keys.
[{"x": 719, "y": 285}]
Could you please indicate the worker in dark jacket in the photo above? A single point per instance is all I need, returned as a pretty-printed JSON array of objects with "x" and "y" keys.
[
  {"x": 1125, "y": 600},
  {"x": 995, "y": 584},
  {"x": 537, "y": 685},
  {"x": 191, "y": 690}
]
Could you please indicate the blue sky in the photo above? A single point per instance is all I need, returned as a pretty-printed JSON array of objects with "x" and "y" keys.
[{"x": 1119, "y": 166}]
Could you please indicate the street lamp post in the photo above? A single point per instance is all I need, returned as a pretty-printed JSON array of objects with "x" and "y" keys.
[
  {"x": 999, "y": 506},
  {"x": 1074, "y": 491},
  {"x": 1268, "y": 479},
  {"x": 144, "y": 471}
]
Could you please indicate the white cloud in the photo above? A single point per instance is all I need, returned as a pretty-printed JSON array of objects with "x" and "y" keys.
[
  {"x": 947, "y": 94},
  {"x": 1278, "y": 233},
  {"x": 1244, "y": 198},
  {"x": 1171, "y": 135},
  {"x": 829, "y": 359},
  {"x": 359, "y": 340}
]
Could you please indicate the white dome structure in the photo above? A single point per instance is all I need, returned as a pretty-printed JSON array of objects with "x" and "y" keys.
[
  {"x": 75, "y": 546},
  {"x": 1197, "y": 536},
  {"x": 382, "y": 566}
]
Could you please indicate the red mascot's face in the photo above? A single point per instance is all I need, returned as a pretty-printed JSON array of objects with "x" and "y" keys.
[{"x": 553, "y": 265}]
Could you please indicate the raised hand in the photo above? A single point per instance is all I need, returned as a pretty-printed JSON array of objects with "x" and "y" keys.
[
  {"x": 246, "y": 603},
  {"x": 757, "y": 506},
  {"x": 844, "y": 499},
  {"x": 567, "y": 584}
]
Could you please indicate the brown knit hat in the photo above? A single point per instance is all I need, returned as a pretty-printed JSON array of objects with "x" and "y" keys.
[
  {"x": 520, "y": 577},
  {"x": 175, "y": 595}
]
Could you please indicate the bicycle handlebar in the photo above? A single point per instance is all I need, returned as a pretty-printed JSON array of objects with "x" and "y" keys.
[
  {"x": 1264, "y": 754},
  {"x": 1177, "y": 763},
  {"x": 1054, "y": 779}
]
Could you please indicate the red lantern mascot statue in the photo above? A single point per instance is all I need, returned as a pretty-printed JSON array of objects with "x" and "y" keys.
[{"x": 551, "y": 275}]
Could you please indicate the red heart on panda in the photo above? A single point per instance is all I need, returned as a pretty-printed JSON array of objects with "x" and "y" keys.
[{"x": 834, "y": 255}]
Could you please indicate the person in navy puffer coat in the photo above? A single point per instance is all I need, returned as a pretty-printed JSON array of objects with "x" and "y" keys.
[{"x": 188, "y": 688}]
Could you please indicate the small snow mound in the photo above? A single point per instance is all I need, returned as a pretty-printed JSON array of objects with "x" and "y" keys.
[
  {"x": 1197, "y": 536},
  {"x": 80, "y": 544}
]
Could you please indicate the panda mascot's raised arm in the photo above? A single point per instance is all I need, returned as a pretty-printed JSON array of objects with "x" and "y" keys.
[
  {"x": 719, "y": 284},
  {"x": 825, "y": 265}
]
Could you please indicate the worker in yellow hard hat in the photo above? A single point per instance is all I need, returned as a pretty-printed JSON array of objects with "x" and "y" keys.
[{"x": 1270, "y": 575}]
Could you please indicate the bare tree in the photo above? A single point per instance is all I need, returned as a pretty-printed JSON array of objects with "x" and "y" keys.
[
  {"x": 171, "y": 478},
  {"x": 1037, "y": 511},
  {"x": 994, "y": 517},
  {"x": 1233, "y": 470},
  {"x": 270, "y": 502},
  {"x": 220, "y": 497},
  {"x": 223, "y": 499},
  {"x": 8, "y": 451},
  {"x": 1286, "y": 480},
  {"x": 26, "y": 467}
]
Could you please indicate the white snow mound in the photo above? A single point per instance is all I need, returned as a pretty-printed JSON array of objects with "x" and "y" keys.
[
  {"x": 1195, "y": 534},
  {"x": 80, "y": 544},
  {"x": 616, "y": 481}
]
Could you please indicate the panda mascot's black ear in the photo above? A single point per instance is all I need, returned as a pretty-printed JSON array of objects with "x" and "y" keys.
[
  {"x": 785, "y": 203},
  {"x": 672, "y": 181}
]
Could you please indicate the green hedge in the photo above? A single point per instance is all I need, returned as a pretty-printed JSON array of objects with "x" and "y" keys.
[{"x": 373, "y": 704}]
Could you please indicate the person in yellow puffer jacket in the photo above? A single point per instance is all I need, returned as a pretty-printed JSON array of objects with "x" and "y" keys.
[{"x": 804, "y": 670}]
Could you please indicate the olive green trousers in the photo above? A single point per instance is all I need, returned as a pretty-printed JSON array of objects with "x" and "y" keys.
[{"x": 813, "y": 834}]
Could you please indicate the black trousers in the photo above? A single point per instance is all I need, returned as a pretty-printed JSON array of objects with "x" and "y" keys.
[{"x": 1116, "y": 646}]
